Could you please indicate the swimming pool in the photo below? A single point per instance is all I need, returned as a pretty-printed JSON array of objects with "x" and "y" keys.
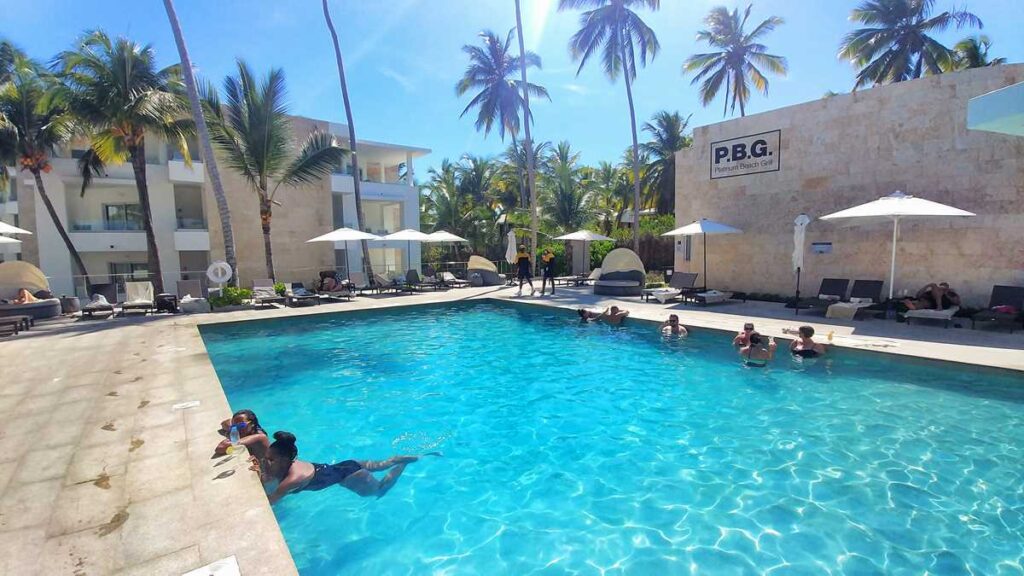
[{"x": 576, "y": 448}]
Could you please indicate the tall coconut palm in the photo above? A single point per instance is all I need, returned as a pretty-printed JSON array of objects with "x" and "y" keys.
[
  {"x": 518, "y": 156},
  {"x": 565, "y": 202},
  {"x": 115, "y": 88},
  {"x": 668, "y": 136},
  {"x": 254, "y": 134},
  {"x": 474, "y": 177},
  {"x": 356, "y": 186},
  {"x": 531, "y": 159},
  {"x": 972, "y": 52},
  {"x": 612, "y": 28},
  {"x": 736, "y": 63},
  {"x": 35, "y": 124},
  {"x": 897, "y": 44},
  {"x": 611, "y": 193},
  {"x": 209, "y": 160}
]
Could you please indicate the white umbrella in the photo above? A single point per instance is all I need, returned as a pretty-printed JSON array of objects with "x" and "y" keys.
[
  {"x": 410, "y": 236},
  {"x": 345, "y": 235},
  {"x": 444, "y": 236},
  {"x": 6, "y": 228},
  {"x": 704, "y": 227},
  {"x": 586, "y": 236},
  {"x": 799, "y": 232},
  {"x": 6, "y": 240},
  {"x": 895, "y": 207},
  {"x": 510, "y": 250}
]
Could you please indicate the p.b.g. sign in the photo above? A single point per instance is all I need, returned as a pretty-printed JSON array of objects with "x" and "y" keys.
[{"x": 746, "y": 155}]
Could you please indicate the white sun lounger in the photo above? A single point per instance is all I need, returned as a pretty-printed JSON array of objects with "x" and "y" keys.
[
  {"x": 138, "y": 296},
  {"x": 932, "y": 314}
]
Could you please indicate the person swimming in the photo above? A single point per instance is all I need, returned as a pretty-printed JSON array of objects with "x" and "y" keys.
[
  {"x": 755, "y": 354},
  {"x": 805, "y": 346},
  {"x": 282, "y": 473},
  {"x": 250, "y": 434},
  {"x": 672, "y": 327},
  {"x": 613, "y": 315},
  {"x": 743, "y": 337}
]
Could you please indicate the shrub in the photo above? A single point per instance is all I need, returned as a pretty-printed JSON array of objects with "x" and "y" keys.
[
  {"x": 655, "y": 279},
  {"x": 231, "y": 296},
  {"x": 279, "y": 288}
]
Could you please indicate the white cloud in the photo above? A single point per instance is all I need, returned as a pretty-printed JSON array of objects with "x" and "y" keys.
[
  {"x": 401, "y": 79},
  {"x": 576, "y": 88}
]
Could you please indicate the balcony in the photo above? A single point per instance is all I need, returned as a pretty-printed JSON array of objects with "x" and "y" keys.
[
  {"x": 191, "y": 240},
  {"x": 179, "y": 173}
]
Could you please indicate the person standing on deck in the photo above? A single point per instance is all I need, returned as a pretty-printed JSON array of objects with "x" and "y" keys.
[
  {"x": 525, "y": 267},
  {"x": 548, "y": 266}
]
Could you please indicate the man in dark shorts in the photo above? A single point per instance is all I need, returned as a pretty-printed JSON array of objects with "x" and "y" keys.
[
  {"x": 524, "y": 271},
  {"x": 547, "y": 265}
]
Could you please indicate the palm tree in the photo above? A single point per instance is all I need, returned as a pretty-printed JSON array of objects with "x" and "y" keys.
[
  {"x": 35, "y": 124},
  {"x": 896, "y": 45},
  {"x": 204, "y": 139},
  {"x": 737, "y": 61},
  {"x": 519, "y": 156},
  {"x": 356, "y": 186},
  {"x": 972, "y": 52},
  {"x": 566, "y": 204},
  {"x": 116, "y": 90},
  {"x": 474, "y": 177},
  {"x": 611, "y": 193},
  {"x": 254, "y": 134},
  {"x": 614, "y": 29},
  {"x": 668, "y": 136}
]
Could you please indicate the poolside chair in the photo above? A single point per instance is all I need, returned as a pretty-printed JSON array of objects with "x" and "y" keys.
[
  {"x": 138, "y": 296},
  {"x": 864, "y": 294},
  {"x": 946, "y": 316},
  {"x": 297, "y": 295},
  {"x": 382, "y": 284},
  {"x": 263, "y": 293},
  {"x": 1005, "y": 306},
  {"x": 102, "y": 296},
  {"x": 680, "y": 284},
  {"x": 622, "y": 274},
  {"x": 594, "y": 276},
  {"x": 414, "y": 282},
  {"x": 337, "y": 289},
  {"x": 449, "y": 279},
  {"x": 832, "y": 290}
]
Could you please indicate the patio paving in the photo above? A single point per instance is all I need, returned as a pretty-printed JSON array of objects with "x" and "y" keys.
[{"x": 101, "y": 474}]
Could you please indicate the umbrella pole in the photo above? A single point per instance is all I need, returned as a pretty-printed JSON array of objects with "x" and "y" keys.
[
  {"x": 796, "y": 303},
  {"x": 892, "y": 268},
  {"x": 705, "y": 261},
  {"x": 348, "y": 263}
]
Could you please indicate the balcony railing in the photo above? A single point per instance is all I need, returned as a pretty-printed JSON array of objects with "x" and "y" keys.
[
  {"x": 191, "y": 224},
  {"x": 105, "y": 226}
]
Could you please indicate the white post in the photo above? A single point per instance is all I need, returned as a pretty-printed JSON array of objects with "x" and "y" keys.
[
  {"x": 409, "y": 173},
  {"x": 892, "y": 268}
]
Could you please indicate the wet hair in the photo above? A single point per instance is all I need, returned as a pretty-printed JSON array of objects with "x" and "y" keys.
[
  {"x": 583, "y": 313},
  {"x": 748, "y": 326},
  {"x": 755, "y": 338},
  {"x": 672, "y": 317},
  {"x": 284, "y": 444},
  {"x": 806, "y": 331},
  {"x": 251, "y": 417}
]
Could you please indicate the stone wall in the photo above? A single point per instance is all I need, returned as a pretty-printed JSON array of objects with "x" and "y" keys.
[{"x": 845, "y": 150}]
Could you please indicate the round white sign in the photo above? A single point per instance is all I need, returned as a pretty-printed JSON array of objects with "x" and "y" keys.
[{"x": 219, "y": 272}]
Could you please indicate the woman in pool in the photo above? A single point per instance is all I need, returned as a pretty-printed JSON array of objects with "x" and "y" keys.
[
  {"x": 805, "y": 346},
  {"x": 755, "y": 354},
  {"x": 282, "y": 474},
  {"x": 743, "y": 337},
  {"x": 250, "y": 434}
]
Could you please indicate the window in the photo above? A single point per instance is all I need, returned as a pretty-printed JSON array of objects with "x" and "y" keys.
[
  {"x": 130, "y": 271},
  {"x": 122, "y": 217}
]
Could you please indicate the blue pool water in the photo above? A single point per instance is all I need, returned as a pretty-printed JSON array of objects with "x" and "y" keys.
[{"x": 586, "y": 449}]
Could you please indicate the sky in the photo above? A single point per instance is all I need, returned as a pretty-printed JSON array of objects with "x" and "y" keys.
[{"x": 404, "y": 57}]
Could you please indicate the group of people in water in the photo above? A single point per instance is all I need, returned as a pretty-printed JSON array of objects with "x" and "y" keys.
[
  {"x": 754, "y": 349},
  {"x": 282, "y": 473}
]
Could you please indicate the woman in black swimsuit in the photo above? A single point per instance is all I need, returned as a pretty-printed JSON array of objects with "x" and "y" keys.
[{"x": 282, "y": 474}]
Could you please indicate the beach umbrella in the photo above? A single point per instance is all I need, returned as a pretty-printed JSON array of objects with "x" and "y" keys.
[
  {"x": 704, "y": 227},
  {"x": 410, "y": 236},
  {"x": 6, "y": 240},
  {"x": 510, "y": 250},
  {"x": 6, "y": 228},
  {"x": 894, "y": 208},
  {"x": 799, "y": 232},
  {"x": 444, "y": 236},
  {"x": 586, "y": 236},
  {"x": 345, "y": 235}
]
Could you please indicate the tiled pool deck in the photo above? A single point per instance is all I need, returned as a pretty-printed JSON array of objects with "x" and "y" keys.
[{"x": 99, "y": 474}]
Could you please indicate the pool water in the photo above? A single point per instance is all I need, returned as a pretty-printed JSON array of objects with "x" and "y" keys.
[{"x": 574, "y": 448}]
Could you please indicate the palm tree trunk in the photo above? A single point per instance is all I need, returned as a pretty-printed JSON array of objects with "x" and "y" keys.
[
  {"x": 266, "y": 209},
  {"x": 60, "y": 230},
  {"x": 531, "y": 176},
  {"x": 352, "y": 142},
  {"x": 636, "y": 155},
  {"x": 137, "y": 152},
  {"x": 204, "y": 138},
  {"x": 519, "y": 174}
]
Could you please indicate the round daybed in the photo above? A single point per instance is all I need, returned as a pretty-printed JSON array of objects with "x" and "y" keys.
[
  {"x": 18, "y": 274},
  {"x": 485, "y": 270},
  {"x": 622, "y": 274}
]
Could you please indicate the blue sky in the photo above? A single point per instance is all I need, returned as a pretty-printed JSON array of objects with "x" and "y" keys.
[{"x": 404, "y": 57}]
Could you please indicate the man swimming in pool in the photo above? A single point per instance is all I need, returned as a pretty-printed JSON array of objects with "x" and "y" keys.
[
  {"x": 282, "y": 474},
  {"x": 804, "y": 345},
  {"x": 672, "y": 327}
]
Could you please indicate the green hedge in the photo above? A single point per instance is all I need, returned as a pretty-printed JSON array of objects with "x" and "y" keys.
[{"x": 231, "y": 296}]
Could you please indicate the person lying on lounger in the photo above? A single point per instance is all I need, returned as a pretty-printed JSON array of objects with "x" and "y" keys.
[
  {"x": 672, "y": 327},
  {"x": 805, "y": 346},
  {"x": 755, "y": 353},
  {"x": 24, "y": 297},
  {"x": 282, "y": 474},
  {"x": 250, "y": 434},
  {"x": 933, "y": 297},
  {"x": 743, "y": 337}
]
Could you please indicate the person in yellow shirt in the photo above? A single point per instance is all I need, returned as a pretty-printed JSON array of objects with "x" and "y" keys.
[
  {"x": 525, "y": 270},
  {"x": 547, "y": 265}
]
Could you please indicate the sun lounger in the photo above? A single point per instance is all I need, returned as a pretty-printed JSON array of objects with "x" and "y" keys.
[
  {"x": 414, "y": 282},
  {"x": 622, "y": 274},
  {"x": 931, "y": 314},
  {"x": 832, "y": 290},
  {"x": 864, "y": 294},
  {"x": 9, "y": 326},
  {"x": 138, "y": 296},
  {"x": 263, "y": 293},
  {"x": 297, "y": 295},
  {"x": 449, "y": 279},
  {"x": 707, "y": 297},
  {"x": 102, "y": 296},
  {"x": 1005, "y": 306},
  {"x": 17, "y": 322},
  {"x": 681, "y": 283}
]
